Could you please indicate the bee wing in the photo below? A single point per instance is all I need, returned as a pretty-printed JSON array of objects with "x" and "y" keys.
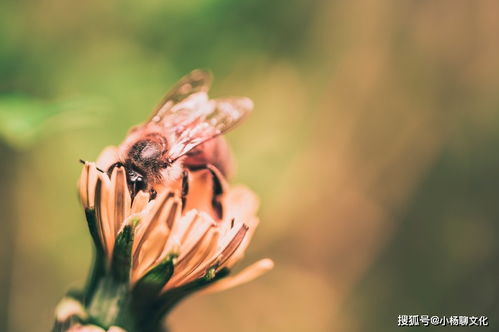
[
  {"x": 196, "y": 82},
  {"x": 198, "y": 119}
]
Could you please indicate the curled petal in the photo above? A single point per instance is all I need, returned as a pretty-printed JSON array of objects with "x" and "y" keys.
[
  {"x": 88, "y": 181},
  {"x": 201, "y": 192},
  {"x": 139, "y": 202},
  {"x": 156, "y": 231},
  {"x": 119, "y": 199},
  {"x": 198, "y": 225},
  {"x": 102, "y": 191},
  {"x": 83, "y": 185},
  {"x": 248, "y": 274},
  {"x": 202, "y": 250},
  {"x": 226, "y": 247},
  {"x": 156, "y": 208},
  {"x": 239, "y": 252},
  {"x": 241, "y": 204}
]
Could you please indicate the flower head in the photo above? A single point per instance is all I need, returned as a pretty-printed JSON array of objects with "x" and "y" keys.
[{"x": 164, "y": 247}]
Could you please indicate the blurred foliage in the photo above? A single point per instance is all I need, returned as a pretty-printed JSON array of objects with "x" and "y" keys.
[
  {"x": 24, "y": 120},
  {"x": 372, "y": 147}
]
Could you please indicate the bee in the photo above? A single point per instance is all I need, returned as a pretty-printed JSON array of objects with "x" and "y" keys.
[{"x": 182, "y": 135}]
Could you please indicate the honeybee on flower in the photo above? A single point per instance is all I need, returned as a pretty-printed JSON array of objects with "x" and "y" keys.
[
  {"x": 164, "y": 221},
  {"x": 182, "y": 135}
]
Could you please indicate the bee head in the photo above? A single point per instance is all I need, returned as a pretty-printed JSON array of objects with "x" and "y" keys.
[{"x": 136, "y": 181}]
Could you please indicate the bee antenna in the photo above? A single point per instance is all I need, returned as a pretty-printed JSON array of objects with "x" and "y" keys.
[{"x": 97, "y": 168}]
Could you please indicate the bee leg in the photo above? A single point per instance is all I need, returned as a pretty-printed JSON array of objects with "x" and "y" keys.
[
  {"x": 218, "y": 186},
  {"x": 218, "y": 190},
  {"x": 152, "y": 194},
  {"x": 111, "y": 168},
  {"x": 185, "y": 187}
]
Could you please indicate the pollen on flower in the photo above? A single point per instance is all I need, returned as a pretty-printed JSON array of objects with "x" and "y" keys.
[{"x": 201, "y": 242}]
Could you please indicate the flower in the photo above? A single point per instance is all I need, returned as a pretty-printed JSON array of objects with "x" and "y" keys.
[
  {"x": 162, "y": 248},
  {"x": 197, "y": 238},
  {"x": 162, "y": 231}
]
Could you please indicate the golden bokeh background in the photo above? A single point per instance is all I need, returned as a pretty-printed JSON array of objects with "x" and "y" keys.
[{"x": 373, "y": 148}]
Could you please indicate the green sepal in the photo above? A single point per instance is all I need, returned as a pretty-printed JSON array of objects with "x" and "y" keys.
[
  {"x": 152, "y": 282},
  {"x": 171, "y": 298},
  {"x": 149, "y": 316},
  {"x": 110, "y": 298},
  {"x": 107, "y": 305},
  {"x": 94, "y": 230},
  {"x": 99, "y": 263},
  {"x": 121, "y": 262}
]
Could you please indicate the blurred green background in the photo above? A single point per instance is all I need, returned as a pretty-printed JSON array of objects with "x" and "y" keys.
[{"x": 373, "y": 148}]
